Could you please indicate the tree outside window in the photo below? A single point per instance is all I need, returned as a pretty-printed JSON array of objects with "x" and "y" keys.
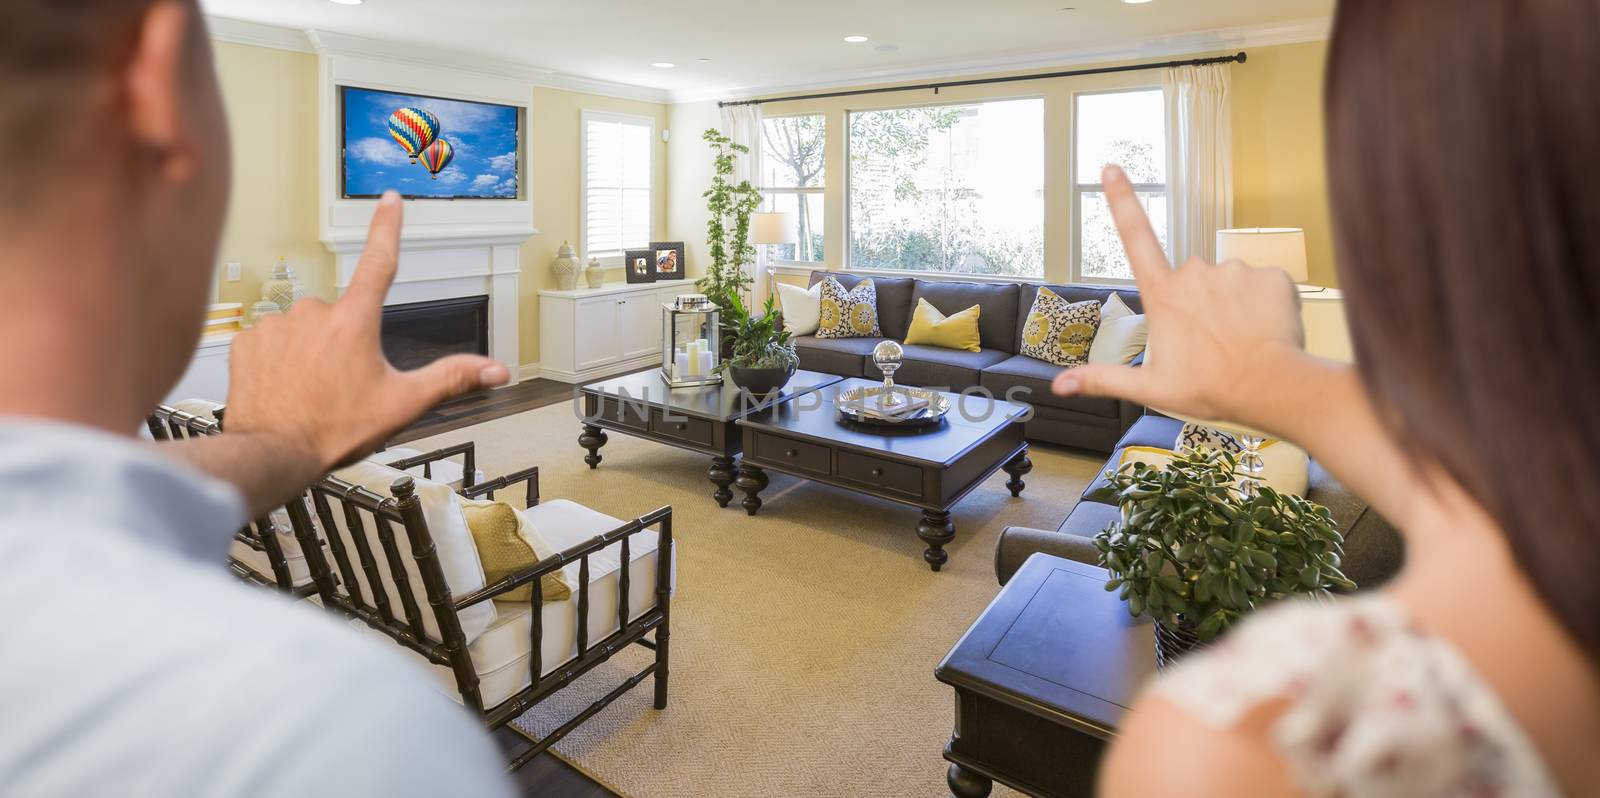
[
  {"x": 792, "y": 159},
  {"x": 1127, "y": 128},
  {"x": 955, "y": 188}
]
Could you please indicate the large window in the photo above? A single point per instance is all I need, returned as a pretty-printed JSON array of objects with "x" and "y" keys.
[
  {"x": 951, "y": 188},
  {"x": 617, "y": 153},
  {"x": 1127, "y": 128},
  {"x": 791, "y": 181}
]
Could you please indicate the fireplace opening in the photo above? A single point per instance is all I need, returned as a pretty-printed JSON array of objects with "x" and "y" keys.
[{"x": 419, "y": 333}]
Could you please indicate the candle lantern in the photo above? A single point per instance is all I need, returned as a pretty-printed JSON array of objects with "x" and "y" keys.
[{"x": 691, "y": 346}]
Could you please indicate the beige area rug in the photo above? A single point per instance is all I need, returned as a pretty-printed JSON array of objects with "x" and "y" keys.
[{"x": 803, "y": 640}]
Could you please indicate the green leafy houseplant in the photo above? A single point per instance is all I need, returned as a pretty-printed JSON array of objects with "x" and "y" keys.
[
  {"x": 1197, "y": 555},
  {"x": 728, "y": 229},
  {"x": 759, "y": 341}
]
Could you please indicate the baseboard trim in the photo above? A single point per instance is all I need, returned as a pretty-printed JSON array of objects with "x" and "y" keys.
[
  {"x": 599, "y": 372},
  {"x": 528, "y": 371}
]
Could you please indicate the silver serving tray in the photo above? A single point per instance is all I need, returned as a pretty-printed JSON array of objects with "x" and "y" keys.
[{"x": 934, "y": 412}]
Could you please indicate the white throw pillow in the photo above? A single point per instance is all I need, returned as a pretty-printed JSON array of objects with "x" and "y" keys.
[
  {"x": 1114, "y": 308},
  {"x": 458, "y": 554},
  {"x": 802, "y": 307},
  {"x": 1119, "y": 340}
]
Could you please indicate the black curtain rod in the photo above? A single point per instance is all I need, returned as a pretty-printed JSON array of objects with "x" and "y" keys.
[{"x": 1238, "y": 58}]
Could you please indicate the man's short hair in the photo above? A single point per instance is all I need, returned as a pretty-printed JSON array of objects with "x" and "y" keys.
[{"x": 51, "y": 52}]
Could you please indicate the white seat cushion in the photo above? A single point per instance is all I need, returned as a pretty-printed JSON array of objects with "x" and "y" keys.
[
  {"x": 500, "y": 654},
  {"x": 458, "y": 555},
  {"x": 447, "y": 471}
]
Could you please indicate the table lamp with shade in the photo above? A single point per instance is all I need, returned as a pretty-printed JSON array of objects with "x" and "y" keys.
[
  {"x": 774, "y": 227},
  {"x": 1280, "y": 247}
]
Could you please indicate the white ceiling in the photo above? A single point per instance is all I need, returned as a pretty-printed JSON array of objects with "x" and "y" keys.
[{"x": 759, "y": 44}]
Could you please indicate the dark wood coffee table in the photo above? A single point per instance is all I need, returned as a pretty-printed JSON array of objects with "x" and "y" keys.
[
  {"x": 931, "y": 468},
  {"x": 698, "y": 419},
  {"x": 1042, "y": 680}
]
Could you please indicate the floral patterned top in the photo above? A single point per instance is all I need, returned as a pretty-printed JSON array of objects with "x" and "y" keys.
[{"x": 1376, "y": 707}]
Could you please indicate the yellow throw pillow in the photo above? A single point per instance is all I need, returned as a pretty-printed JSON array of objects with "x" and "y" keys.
[
  {"x": 930, "y": 327},
  {"x": 497, "y": 529},
  {"x": 1287, "y": 469}
]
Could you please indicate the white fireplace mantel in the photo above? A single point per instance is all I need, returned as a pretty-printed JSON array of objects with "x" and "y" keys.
[{"x": 449, "y": 248}]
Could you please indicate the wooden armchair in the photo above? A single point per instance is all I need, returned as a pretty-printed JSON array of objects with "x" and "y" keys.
[
  {"x": 268, "y": 551},
  {"x": 408, "y": 570}
]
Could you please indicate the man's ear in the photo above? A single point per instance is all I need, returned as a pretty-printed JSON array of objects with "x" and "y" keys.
[{"x": 154, "y": 86}]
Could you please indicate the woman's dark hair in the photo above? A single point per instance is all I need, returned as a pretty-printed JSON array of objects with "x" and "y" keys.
[{"x": 1464, "y": 164}]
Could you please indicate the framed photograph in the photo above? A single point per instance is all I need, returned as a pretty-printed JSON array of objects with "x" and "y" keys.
[
  {"x": 640, "y": 265},
  {"x": 669, "y": 262}
]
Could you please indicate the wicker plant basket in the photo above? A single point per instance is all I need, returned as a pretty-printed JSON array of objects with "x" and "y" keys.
[{"x": 1173, "y": 644}]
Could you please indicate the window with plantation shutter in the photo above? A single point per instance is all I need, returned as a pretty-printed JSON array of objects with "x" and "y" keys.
[{"x": 617, "y": 167}]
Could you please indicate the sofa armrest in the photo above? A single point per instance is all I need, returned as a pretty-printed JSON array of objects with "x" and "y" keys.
[
  {"x": 469, "y": 456},
  {"x": 1018, "y": 543},
  {"x": 487, "y": 489}
]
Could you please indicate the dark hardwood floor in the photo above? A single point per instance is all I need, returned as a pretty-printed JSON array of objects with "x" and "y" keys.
[
  {"x": 546, "y": 776},
  {"x": 482, "y": 406}
]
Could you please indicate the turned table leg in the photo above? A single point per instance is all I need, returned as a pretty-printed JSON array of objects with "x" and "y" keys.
[
  {"x": 752, "y": 480},
  {"x": 721, "y": 474},
  {"x": 1017, "y": 467},
  {"x": 592, "y": 439},
  {"x": 966, "y": 784},
  {"x": 936, "y": 530}
]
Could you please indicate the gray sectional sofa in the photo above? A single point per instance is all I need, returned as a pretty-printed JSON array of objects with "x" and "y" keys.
[
  {"x": 1084, "y": 422},
  {"x": 1373, "y": 550}
]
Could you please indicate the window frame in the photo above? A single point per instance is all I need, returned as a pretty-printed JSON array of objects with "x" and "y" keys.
[
  {"x": 586, "y": 115},
  {"x": 801, "y": 193},
  {"x": 920, "y": 274},
  {"x": 1079, "y": 189}
]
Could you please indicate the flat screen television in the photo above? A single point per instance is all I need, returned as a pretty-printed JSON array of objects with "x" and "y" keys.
[{"x": 427, "y": 147}]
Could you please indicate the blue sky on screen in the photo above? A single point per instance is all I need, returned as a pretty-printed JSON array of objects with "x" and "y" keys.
[{"x": 484, "y": 137}]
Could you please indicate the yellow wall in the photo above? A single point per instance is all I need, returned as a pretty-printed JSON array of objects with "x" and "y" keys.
[
  {"x": 1278, "y": 172},
  {"x": 271, "y": 97}
]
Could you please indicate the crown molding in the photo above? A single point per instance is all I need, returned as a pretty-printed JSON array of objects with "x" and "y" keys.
[
  {"x": 1295, "y": 32},
  {"x": 323, "y": 42},
  {"x": 238, "y": 31}
]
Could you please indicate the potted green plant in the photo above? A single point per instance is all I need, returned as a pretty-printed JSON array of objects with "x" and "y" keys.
[
  {"x": 764, "y": 357},
  {"x": 1197, "y": 555},
  {"x": 728, "y": 226}
]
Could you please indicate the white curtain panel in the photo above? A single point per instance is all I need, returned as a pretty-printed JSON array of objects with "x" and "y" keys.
[
  {"x": 1199, "y": 158},
  {"x": 742, "y": 123}
]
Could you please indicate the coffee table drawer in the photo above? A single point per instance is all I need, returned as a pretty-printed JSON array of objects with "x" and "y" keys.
[
  {"x": 878, "y": 473},
  {"x": 622, "y": 413},
  {"x": 794, "y": 454},
  {"x": 684, "y": 428}
]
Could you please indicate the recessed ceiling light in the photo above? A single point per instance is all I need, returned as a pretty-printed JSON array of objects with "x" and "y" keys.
[
  {"x": 663, "y": 65},
  {"x": 855, "y": 38},
  {"x": 703, "y": 60},
  {"x": 348, "y": 2}
]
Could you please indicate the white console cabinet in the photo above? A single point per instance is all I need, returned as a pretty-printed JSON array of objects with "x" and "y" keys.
[{"x": 589, "y": 333}]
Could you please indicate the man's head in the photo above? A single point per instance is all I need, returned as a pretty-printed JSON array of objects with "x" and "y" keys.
[{"x": 113, "y": 200}]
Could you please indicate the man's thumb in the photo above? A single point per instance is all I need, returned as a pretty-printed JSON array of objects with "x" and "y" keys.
[{"x": 449, "y": 377}]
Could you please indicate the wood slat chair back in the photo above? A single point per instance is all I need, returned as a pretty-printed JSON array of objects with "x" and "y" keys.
[
  {"x": 371, "y": 537},
  {"x": 168, "y": 423}
]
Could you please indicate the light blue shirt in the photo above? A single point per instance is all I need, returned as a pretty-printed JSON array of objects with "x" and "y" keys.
[{"x": 132, "y": 664}]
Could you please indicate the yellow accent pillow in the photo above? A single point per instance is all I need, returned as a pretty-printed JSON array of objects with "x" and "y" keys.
[
  {"x": 930, "y": 327},
  {"x": 497, "y": 530},
  {"x": 1287, "y": 469}
]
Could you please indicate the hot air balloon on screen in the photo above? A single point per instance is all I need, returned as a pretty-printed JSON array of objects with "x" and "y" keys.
[
  {"x": 414, "y": 129},
  {"x": 437, "y": 156}
]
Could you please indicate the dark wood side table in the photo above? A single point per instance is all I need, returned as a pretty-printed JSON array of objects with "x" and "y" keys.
[
  {"x": 698, "y": 419},
  {"x": 1042, "y": 679}
]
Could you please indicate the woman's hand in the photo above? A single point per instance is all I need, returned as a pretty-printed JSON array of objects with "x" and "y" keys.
[{"x": 1221, "y": 337}]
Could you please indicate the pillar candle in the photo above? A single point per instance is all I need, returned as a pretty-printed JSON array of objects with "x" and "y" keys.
[{"x": 681, "y": 364}]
